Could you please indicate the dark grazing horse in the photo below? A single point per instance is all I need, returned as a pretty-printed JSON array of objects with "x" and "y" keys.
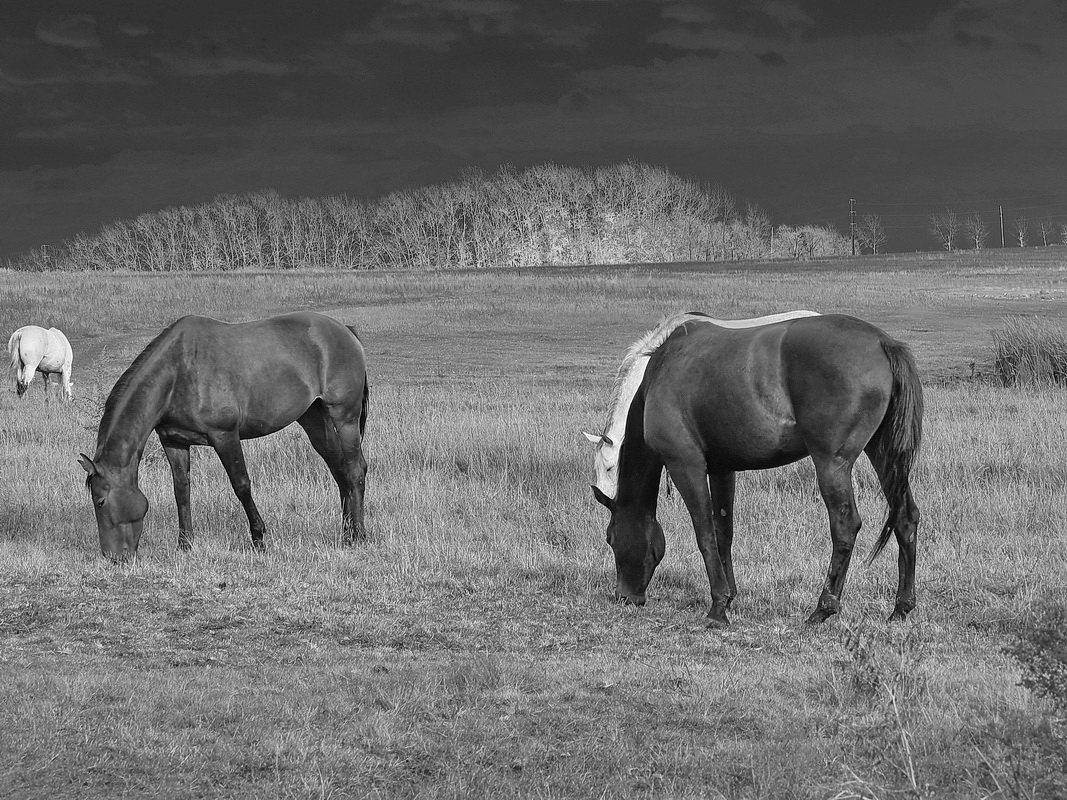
[
  {"x": 205, "y": 382},
  {"x": 714, "y": 400}
]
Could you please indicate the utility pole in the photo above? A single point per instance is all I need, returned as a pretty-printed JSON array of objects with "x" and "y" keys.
[
  {"x": 1002, "y": 227},
  {"x": 852, "y": 222}
]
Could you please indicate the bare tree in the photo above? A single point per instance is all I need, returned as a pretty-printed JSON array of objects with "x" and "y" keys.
[
  {"x": 1022, "y": 230},
  {"x": 977, "y": 230},
  {"x": 723, "y": 210},
  {"x": 945, "y": 228},
  {"x": 1047, "y": 227},
  {"x": 871, "y": 233}
]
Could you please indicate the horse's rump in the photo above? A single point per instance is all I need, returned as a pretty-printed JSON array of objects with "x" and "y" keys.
[{"x": 35, "y": 349}]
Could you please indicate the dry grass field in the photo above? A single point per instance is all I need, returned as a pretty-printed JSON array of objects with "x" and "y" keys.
[{"x": 470, "y": 648}]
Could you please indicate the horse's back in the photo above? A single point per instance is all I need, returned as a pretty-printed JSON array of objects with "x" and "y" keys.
[
  {"x": 757, "y": 394},
  {"x": 260, "y": 375},
  {"x": 287, "y": 352},
  {"x": 297, "y": 336}
]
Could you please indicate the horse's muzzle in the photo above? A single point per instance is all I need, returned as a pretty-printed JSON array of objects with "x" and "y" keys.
[
  {"x": 119, "y": 557},
  {"x": 629, "y": 598}
]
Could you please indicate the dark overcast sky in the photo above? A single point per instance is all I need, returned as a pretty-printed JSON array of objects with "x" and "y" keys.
[{"x": 115, "y": 107}]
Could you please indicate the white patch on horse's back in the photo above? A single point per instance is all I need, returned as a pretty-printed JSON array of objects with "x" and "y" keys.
[
  {"x": 632, "y": 372},
  {"x": 756, "y": 322}
]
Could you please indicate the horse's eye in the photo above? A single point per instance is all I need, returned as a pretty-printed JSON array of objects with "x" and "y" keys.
[{"x": 101, "y": 501}]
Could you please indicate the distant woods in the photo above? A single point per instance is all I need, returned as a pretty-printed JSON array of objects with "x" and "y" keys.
[
  {"x": 545, "y": 215},
  {"x": 948, "y": 229}
]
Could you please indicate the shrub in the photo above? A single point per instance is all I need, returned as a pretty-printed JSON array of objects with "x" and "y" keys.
[
  {"x": 1040, "y": 647},
  {"x": 1028, "y": 351},
  {"x": 1030, "y": 759}
]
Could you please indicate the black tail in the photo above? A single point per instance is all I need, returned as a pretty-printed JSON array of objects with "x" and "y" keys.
[
  {"x": 363, "y": 411},
  {"x": 366, "y": 388},
  {"x": 895, "y": 445}
]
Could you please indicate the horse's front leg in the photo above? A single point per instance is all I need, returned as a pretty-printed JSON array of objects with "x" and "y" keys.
[
  {"x": 228, "y": 446},
  {"x": 690, "y": 477},
  {"x": 178, "y": 458},
  {"x": 722, "y": 499}
]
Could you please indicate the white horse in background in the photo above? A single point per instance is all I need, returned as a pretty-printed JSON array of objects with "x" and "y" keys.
[{"x": 34, "y": 349}]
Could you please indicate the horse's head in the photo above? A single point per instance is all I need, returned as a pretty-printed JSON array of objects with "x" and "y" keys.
[
  {"x": 637, "y": 540},
  {"x": 119, "y": 509},
  {"x": 605, "y": 462}
]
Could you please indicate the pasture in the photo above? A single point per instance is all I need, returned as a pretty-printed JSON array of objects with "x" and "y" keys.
[{"x": 470, "y": 648}]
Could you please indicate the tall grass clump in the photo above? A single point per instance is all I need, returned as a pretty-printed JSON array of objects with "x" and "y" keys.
[
  {"x": 1029, "y": 759},
  {"x": 1028, "y": 351}
]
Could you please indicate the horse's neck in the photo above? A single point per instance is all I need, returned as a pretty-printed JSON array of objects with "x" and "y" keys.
[
  {"x": 639, "y": 467},
  {"x": 632, "y": 371},
  {"x": 620, "y": 410},
  {"x": 132, "y": 411}
]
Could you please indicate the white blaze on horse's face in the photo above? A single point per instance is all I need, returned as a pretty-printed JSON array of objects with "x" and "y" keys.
[{"x": 605, "y": 463}]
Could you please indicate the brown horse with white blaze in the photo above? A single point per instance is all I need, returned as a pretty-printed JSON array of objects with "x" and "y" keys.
[
  {"x": 206, "y": 382},
  {"x": 715, "y": 400}
]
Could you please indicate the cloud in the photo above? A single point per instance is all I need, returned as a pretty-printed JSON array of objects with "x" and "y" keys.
[
  {"x": 133, "y": 30},
  {"x": 75, "y": 30},
  {"x": 771, "y": 59},
  {"x": 709, "y": 39},
  {"x": 688, "y": 14},
  {"x": 438, "y": 25},
  {"x": 410, "y": 30},
  {"x": 25, "y": 65},
  {"x": 788, "y": 15},
  {"x": 442, "y": 26},
  {"x": 195, "y": 65}
]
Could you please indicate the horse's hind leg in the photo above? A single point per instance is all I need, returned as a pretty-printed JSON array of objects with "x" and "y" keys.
[
  {"x": 68, "y": 391},
  {"x": 905, "y": 525},
  {"x": 337, "y": 439},
  {"x": 24, "y": 373},
  {"x": 178, "y": 458},
  {"x": 835, "y": 485},
  {"x": 228, "y": 446},
  {"x": 903, "y": 519}
]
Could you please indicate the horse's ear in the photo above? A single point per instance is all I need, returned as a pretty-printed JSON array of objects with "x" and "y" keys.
[
  {"x": 87, "y": 464},
  {"x": 603, "y": 499},
  {"x": 598, "y": 438}
]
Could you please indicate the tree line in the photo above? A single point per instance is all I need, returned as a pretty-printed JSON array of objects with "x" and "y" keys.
[
  {"x": 950, "y": 229},
  {"x": 543, "y": 215}
]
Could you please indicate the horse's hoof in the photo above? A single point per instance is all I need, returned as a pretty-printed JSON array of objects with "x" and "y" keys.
[
  {"x": 898, "y": 615},
  {"x": 818, "y": 616},
  {"x": 717, "y": 618}
]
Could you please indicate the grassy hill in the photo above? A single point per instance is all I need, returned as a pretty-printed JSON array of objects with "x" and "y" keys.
[{"x": 470, "y": 648}]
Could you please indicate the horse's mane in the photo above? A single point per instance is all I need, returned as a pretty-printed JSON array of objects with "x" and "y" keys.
[
  {"x": 642, "y": 349},
  {"x": 122, "y": 387}
]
